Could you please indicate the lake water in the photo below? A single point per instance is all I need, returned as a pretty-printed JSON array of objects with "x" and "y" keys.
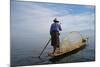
[{"x": 25, "y": 49}]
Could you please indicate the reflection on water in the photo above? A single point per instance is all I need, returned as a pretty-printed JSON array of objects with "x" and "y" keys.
[{"x": 25, "y": 51}]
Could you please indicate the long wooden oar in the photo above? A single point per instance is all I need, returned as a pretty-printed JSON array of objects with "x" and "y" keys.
[{"x": 44, "y": 48}]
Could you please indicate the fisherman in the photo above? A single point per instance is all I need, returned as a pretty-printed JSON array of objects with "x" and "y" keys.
[{"x": 54, "y": 32}]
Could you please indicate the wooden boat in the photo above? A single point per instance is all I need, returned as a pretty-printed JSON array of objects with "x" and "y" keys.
[{"x": 68, "y": 49}]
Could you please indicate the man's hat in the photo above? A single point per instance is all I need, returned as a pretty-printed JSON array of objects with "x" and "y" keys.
[{"x": 55, "y": 20}]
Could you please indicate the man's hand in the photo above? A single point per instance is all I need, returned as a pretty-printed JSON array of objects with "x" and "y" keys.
[{"x": 59, "y": 34}]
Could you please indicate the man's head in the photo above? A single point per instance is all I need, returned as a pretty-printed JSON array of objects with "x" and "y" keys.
[{"x": 55, "y": 20}]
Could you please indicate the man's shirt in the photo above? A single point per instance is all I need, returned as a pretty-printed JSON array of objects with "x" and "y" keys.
[{"x": 55, "y": 27}]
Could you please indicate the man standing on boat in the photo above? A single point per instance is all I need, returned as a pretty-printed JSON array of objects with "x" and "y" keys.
[{"x": 54, "y": 32}]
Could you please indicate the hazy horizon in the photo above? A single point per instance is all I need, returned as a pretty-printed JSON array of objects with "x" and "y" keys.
[{"x": 36, "y": 17}]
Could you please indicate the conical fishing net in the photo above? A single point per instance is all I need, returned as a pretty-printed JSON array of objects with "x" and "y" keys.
[{"x": 72, "y": 41}]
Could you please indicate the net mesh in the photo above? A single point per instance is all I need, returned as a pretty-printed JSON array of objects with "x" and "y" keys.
[{"x": 72, "y": 41}]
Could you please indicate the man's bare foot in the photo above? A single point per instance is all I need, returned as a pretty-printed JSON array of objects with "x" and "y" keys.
[{"x": 57, "y": 51}]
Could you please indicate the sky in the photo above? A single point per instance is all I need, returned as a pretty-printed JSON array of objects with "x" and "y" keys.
[{"x": 37, "y": 17}]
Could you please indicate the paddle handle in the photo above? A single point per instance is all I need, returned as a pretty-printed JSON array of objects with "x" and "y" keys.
[{"x": 44, "y": 47}]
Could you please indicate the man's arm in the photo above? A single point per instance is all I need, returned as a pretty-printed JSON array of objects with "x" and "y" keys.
[
  {"x": 60, "y": 27},
  {"x": 50, "y": 29}
]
